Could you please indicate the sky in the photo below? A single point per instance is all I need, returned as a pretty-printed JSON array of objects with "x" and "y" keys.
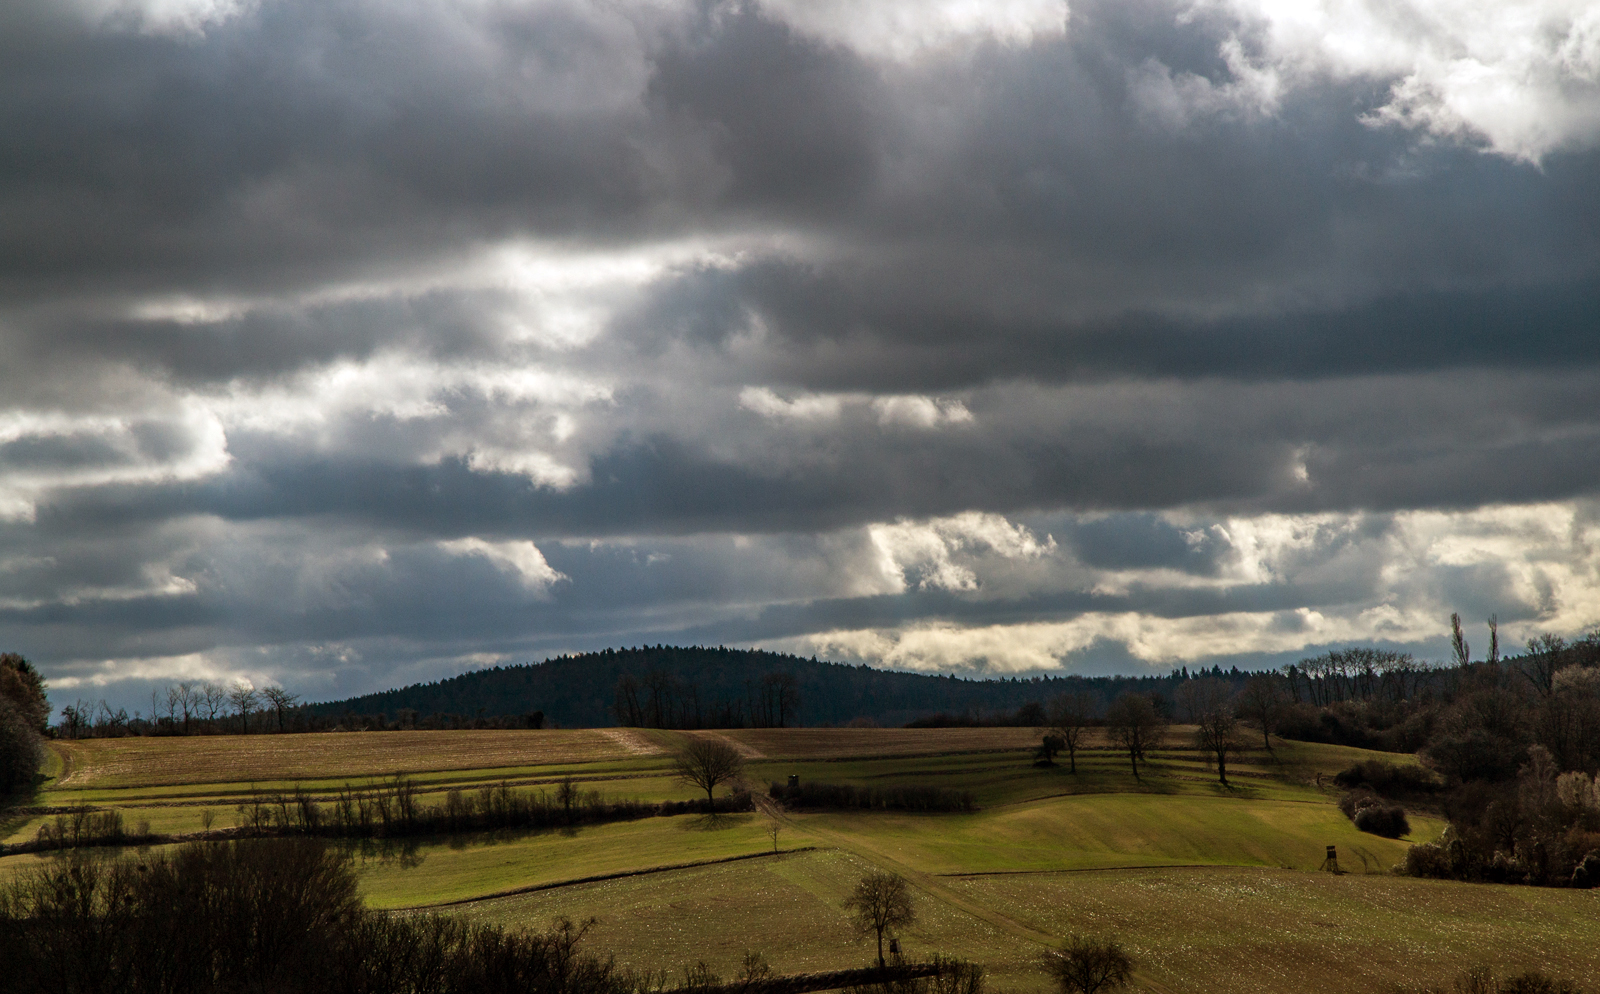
[{"x": 351, "y": 343}]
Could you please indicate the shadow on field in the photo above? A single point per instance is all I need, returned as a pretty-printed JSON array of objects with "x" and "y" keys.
[
  {"x": 407, "y": 853},
  {"x": 718, "y": 822}
]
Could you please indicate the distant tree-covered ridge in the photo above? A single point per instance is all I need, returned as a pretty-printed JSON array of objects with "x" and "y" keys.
[{"x": 701, "y": 687}]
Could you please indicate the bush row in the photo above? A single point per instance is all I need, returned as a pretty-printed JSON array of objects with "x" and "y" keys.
[
  {"x": 848, "y": 796},
  {"x": 395, "y": 809}
]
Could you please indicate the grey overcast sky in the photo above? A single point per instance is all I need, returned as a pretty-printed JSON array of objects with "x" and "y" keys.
[{"x": 349, "y": 343}]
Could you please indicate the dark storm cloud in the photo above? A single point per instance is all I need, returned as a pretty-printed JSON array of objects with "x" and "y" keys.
[{"x": 293, "y": 297}]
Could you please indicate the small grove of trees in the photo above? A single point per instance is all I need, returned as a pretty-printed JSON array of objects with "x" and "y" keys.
[
  {"x": 705, "y": 762},
  {"x": 24, "y": 710},
  {"x": 880, "y": 904},
  {"x": 263, "y": 915},
  {"x": 1086, "y": 965}
]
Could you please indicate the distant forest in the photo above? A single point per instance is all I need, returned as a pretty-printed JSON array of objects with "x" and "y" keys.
[{"x": 693, "y": 687}]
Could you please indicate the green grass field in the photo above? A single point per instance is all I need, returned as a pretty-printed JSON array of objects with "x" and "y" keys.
[{"x": 1211, "y": 888}]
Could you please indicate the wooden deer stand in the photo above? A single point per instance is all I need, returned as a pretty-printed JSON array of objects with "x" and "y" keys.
[{"x": 1331, "y": 864}]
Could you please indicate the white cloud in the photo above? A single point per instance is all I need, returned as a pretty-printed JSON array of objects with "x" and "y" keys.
[
  {"x": 1520, "y": 77},
  {"x": 1549, "y": 555},
  {"x": 806, "y": 407},
  {"x": 192, "y": 444},
  {"x": 162, "y": 17},
  {"x": 520, "y": 557},
  {"x": 903, "y": 29},
  {"x": 889, "y": 410},
  {"x": 943, "y": 552}
]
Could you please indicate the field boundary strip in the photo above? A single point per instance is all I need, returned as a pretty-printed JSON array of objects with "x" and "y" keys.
[
  {"x": 602, "y": 877},
  {"x": 1103, "y": 869}
]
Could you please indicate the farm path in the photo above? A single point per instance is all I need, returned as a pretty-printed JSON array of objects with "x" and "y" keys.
[
  {"x": 745, "y": 749},
  {"x": 631, "y": 742},
  {"x": 933, "y": 886}
]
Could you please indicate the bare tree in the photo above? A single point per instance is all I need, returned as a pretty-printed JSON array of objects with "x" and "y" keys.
[
  {"x": 212, "y": 699},
  {"x": 1458, "y": 642},
  {"x": 1494, "y": 638},
  {"x": 1134, "y": 724},
  {"x": 705, "y": 761},
  {"x": 279, "y": 700},
  {"x": 180, "y": 698},
  {"x": 773, "y": 827},
  {"x": 881, "y": 903},
  {"x": 1215, "y": 721},
  {"x": 1261, "y": 701},
  {"x": 1086, "y": 966},
  {"x": 1069, "y": 715},
  {"x": 1543, "y": 661},
  {"x": 244, "y": 700}
]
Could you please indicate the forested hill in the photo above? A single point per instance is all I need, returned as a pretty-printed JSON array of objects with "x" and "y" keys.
[{"x": 716, "y": 687}]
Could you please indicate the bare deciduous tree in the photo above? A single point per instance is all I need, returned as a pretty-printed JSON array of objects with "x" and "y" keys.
[
  {"x": 1214, "y": 721},
  {"x": 1069, "y": 718},
  {"x": 1134, "y": 724},
  {"x": 1543, "y": 661},
  {"x": 1458, "y": 642},
  {"x": 1261, "y": 701},
  {"x": 212, "y": 698},
  {"x": 244, "y": 700},
  {"x": 881, "y": 903},
  {"x": 705, "y": 761},
  {"x": 280, "y": 701},
  {"x": 1086, "y": 966}
]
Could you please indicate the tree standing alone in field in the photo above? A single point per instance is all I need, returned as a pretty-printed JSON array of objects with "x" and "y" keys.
[
  {"x": 1134, "y": 724},
  {"x": 705, "y": 762},
  {"x": 1069, "y": 717},
  {"x": 881, "y": 902},
  {"x": 1214, "y": 720}
]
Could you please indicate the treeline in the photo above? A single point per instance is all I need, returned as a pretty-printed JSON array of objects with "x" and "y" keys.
[
  {"x": 284, "y": 915},
  {"x": 709, "y": 686},
  {"x": 210, "y": 708},
  {"x": 280, "y": 915},
  {"x": 660, "y": 699},
  {"x": 394, "y": 809},
  {"x": 1514, "y": 742},
  {"x": 845, "y": 797}
]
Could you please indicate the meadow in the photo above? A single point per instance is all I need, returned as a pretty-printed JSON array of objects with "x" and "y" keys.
[{"x": 1211, "y": 888}]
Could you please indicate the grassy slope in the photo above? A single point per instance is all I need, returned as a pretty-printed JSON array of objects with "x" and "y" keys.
[
  {"x": 992, "y": 884},
  {"x": 1225, "y": 930}
]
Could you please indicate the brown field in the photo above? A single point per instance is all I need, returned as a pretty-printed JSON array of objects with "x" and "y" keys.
[
  {"x": 159, "y": 762},
  {"x": 851, "y": 743}
]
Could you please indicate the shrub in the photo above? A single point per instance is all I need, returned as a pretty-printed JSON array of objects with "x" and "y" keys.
[
  {"x": 1086, "y": 966},
  {"x": 1372, "y": 813},
  {"x": 1388, "y": 779},
  {"x": 1387, "y": 820}
]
